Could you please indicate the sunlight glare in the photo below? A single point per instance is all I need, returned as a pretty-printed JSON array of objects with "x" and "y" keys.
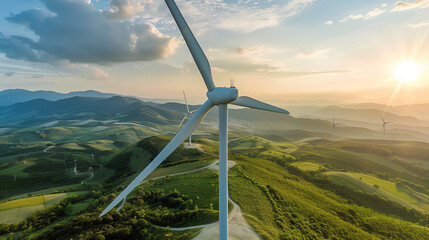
[{"x": 408, "y": 72}]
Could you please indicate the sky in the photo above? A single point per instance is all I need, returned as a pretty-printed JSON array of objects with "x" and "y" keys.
[{"x": 284, "y": 51}]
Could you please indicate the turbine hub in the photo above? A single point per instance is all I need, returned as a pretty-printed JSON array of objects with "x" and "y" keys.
[{"x": 223, "y": 95}]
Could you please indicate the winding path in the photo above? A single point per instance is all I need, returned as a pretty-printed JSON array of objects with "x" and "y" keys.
[{"x": 238, "y": 227}]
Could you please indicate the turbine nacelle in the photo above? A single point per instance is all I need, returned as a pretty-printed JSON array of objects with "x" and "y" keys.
[{"x": 223, "y": 95}]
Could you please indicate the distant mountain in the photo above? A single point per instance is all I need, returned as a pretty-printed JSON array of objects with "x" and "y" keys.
[
  {"x": 287, "y": 126},
  {"x": 305, "y": 122},
  {"x": 355, "y": 113},
  {"x": 179, "y": 107},
  {"x": 420, "y": 111},
  {"x": 12, "y": 96},
  {"x": 113, "y": 108}
]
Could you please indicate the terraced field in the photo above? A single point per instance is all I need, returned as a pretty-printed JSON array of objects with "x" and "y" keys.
[{"x": 17, "y": 210}]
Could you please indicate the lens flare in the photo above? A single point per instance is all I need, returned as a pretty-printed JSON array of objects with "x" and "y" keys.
[{"x": 408, "y": 72}]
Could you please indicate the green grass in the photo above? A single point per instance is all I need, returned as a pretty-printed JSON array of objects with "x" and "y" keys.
[
  {"x": 17, "y": 210},
  {"x": 164, "y": 171},
  {"x": 257, "y": 208},
  {"x": 261, "y": 143},
  {"x": 25, "y": 202},
  {"x": 38, "y": 200},
  {"x": 140, "y": 159},
  {"x": 350, "y": 181},
  {"x": 101, "y": 175},
  {"x": 102, "y": 145},
  {"x": 75, "y": 209},
  {"x": 46, "y": 191},
  {"x": 422, "y": 163},
  {"x": 17, "y": 170},
  {"x": 201, "y": 186},
  {"x": 17, "y": 156},
  {"x": 280, "y": 205},
  {"x": 385, "y": 161},
  {"x": 72, "y": 146},
  {"x": 277, "y": 203},
  {"x": 386, "y": 189},
  {"x": 307, "y": 166},
  {"x": 15, "y": 215},
  {"x": 386, "y": 186}
]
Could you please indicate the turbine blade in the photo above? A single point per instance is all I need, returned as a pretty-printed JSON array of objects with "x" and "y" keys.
[
  {"x": 190, "y": 126},
  {"x": 195, "y": 49},
  {"x": 123, "y": 203},
  {"x": 253, "y": 103},
  {"x": 186, "y": 101},
  {"x": 181, "y": 123},
  {"x": 382, "y": 118}
]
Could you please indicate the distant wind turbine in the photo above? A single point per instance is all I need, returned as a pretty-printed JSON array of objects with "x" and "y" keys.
[
  {"x": 75, "y": 167},
  {"x": 334, "y": 124},
  {"x": 220, "y": 96},
  {"x": 384, "y": 126},
  {"x": 188, "y": 114}
]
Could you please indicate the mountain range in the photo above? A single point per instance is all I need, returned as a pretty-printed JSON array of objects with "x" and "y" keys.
[
  {"x": 305, "y": 121},
  {"x": 12, "y": 96},
  {"x": 40, "y": 111}
]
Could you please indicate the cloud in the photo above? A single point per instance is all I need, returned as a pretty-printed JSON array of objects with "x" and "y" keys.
[
  {"x": 250, "y": 67},
  {"x": 246, "y": 51},
  {"x": 416, "y": 25},
  {"x": 246, "y": 62},
  {"x": 329, "y": 22},
  {"x": 370, "y": 14},
  {"x": 9, "y": 74},
  {"x": 76, "y": 31},
  {"x": 374, "y": 13},
  {"x": 124, "y": 9},
  {"x": 352, "y": 17},
  {"x": 384, "y": 5},
  {"x": 86, "y": 71},
  {"x": 314, "y": 54},
  {"x": 402, "y": 6},
  {"x": 246, "y": 16}
]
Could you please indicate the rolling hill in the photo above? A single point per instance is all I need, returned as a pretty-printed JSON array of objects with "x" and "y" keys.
[
  {"x": 106, "y": 112},
  {"x": 12, "y": 96},
  {"x": 278, "y": 200},
  {"x": 40, "y": 111}
]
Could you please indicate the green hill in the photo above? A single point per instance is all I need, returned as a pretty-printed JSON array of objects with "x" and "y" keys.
[{"x": 278, "y": 199}]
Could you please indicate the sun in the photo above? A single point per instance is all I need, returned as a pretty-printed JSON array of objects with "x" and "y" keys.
[{"x": 408, "y": 72}]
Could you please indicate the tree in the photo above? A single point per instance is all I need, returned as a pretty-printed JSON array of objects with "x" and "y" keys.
[{"x": 100, "y": 237}]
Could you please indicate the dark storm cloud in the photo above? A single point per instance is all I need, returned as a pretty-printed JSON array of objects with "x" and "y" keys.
[{"x": 74, "y": 30}]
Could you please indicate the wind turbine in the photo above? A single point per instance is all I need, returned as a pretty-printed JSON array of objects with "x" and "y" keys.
[
  {"x": 75, "y": 167},
  {"x": 334, "y": 124},
  {"x": 220, "y": 96},
  {"x": 188, "y": 114},
  {"x": 384, "y": 126}
]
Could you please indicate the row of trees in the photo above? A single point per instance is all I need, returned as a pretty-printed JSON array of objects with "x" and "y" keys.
[{"x": 134, "y": 221}]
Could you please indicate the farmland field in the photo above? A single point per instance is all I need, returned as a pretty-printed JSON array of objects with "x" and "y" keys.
[{"x": 17, "y": 210}]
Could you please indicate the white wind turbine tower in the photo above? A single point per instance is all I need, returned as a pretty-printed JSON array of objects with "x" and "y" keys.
[
  {"x": 220, "y": 96},
  {"x": 384, "y": 126},
  {"x": 188, "y": 114},
  {"x": 334, "y": 124}
]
